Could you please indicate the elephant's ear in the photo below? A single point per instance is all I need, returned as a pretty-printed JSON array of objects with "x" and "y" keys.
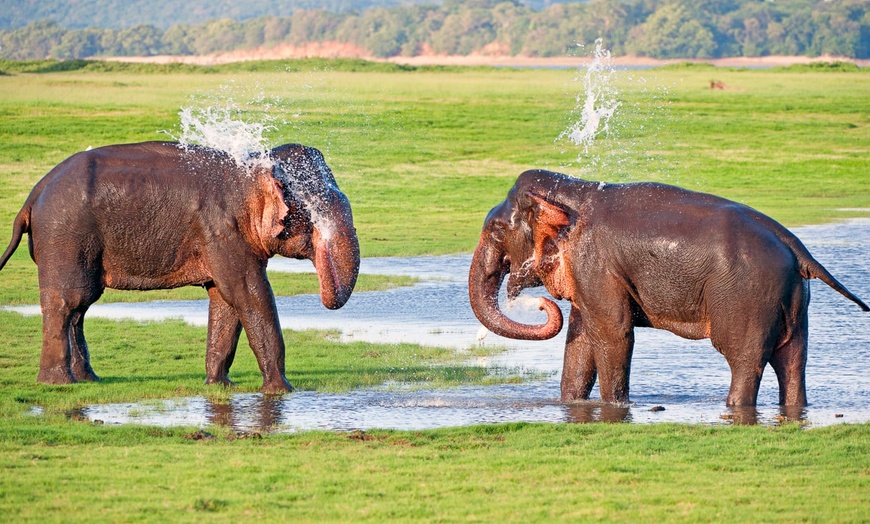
[
  {"x": 549, "y": 220},
  {"x": 274, "y": 207}
]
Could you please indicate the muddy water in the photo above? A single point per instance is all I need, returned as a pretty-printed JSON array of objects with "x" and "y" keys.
[{"x": 689, "y": 379}]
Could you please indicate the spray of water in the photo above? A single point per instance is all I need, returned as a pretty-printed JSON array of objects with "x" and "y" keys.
[
  {"x": 231, "y": 121},
  {"x": 597, "y": 103},
  {"x": 237, "y": 120},
  {"x": 611, "y": 134},
  {"x": 523, "y": 303}
]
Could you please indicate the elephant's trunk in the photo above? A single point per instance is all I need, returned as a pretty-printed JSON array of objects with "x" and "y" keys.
[
  {"x": 484, "y": 281},
  {"x": 336, "y": 256}
]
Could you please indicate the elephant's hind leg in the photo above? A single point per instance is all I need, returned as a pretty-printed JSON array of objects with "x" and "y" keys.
[
  {"x": 55, "y": 363},
  {"x": 747, "y": 357},
  {"x": 79, "y": 354},
  {"x": 66, "y": 290},
  {"x": 789, "y": 361},
  {"x": 65, "y": 358}
]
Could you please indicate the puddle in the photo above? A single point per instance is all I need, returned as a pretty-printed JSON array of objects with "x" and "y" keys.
[{"x": 688, "y": 378}]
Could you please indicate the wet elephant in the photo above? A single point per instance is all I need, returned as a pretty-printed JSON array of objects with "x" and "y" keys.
[
  {"x": 649, "y": 255},
  {"x": 159, "y": 215}
]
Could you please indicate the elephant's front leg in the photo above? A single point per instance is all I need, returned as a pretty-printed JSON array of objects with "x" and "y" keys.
[
  {"x": 606, "y": 330},
  {"x": 578, "y": 370},
  {"x": 251, "y": 298},
  {"x": 224, "y": 329}
]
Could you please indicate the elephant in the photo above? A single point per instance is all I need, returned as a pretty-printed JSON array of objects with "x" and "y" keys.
[
  {"x": 648, "y": 255},
  {"x": 160, "y": 215}
]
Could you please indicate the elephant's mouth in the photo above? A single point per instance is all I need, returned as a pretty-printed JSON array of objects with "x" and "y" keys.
[{"x": 521, "y": 278}]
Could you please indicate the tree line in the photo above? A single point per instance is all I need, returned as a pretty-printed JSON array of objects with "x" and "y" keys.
[{"x": 653, "y": 28}]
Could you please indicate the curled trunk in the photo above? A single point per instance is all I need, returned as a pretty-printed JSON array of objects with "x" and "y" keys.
[{"x": 484, "y": 281}]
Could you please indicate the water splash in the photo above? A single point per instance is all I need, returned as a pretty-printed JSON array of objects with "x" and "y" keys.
[
  {"x": 524, "y": 304},
  {"x": 314, "y": 186},
  {"x": 237, "y": 119},
  {"x": 597, "y": 103},
  {"x": 613, "y": 134},
  {"x": 220, "y": 121}
]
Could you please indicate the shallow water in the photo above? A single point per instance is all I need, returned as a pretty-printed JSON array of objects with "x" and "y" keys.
[{"x": 689, "y": 379}]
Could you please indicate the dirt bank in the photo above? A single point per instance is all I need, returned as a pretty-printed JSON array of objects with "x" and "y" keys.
[{"x": 490, "y": 58}]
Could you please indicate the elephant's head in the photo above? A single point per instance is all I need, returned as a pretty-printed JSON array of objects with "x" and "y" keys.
[
  {"x": 319, "y": 224},
  {"x": 521, "y": 239}
]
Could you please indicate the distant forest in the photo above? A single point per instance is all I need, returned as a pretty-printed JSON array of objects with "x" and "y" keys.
[{"x": 654, "y": 28}]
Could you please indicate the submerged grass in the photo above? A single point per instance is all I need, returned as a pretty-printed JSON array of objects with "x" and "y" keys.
[{"x": 422, "y": 155}]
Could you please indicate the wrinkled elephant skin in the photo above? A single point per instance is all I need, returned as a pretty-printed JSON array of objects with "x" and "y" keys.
[
  {"x": 158, "y": 215},
  {"x": 649, "y": 255}
]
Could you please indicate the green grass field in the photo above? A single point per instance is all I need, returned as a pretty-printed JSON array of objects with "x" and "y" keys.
[{"x": 423, "y": 155}]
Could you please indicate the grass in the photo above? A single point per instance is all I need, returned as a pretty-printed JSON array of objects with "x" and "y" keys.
[
  {"x": 512, "y": 472},
  {"x": 410, "y": 147},
  {"x": 423, "y": 154},
  {"x": 19, "y": 286},
  {"x": 165, "y": 359}
]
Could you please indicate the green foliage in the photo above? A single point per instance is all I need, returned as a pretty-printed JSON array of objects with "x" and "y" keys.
[
  {"x": 658, "y": 28},
  {"x": 821, "y": 67},
  {"x": 76, "y": 471},
  {"x": 117, "y": 14}
]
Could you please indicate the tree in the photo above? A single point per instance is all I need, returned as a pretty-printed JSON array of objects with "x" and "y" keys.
[
  {"x": 79, "y": 44},
  {"x": 464, "y": 31},
  {"x": 670, "y": 32},
  {"x": 36, "y": 40}
]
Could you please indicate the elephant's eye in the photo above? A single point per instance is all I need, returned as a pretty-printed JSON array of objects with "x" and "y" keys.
[{"x": 498, "y": 233}]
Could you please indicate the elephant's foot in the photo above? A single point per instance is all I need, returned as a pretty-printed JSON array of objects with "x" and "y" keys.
[
  {"x": 574, "y": 395},
  {"x": 55, "y": 375},
  {"x": 85, "y": 374},
  {"x": 222, "y": 380},
  {"x": 278, "y": 386}
]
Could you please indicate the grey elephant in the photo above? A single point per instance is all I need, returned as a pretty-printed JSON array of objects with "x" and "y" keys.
[
  {"x": 157, "y": 215},
  {"x": 649, "y": 255}
]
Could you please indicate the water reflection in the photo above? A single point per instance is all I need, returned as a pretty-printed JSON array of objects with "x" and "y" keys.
[
  {"x": 596, "y": 412},
  {"x": 689, "y": 379}
]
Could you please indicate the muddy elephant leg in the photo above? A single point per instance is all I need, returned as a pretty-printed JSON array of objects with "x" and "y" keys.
[
  {"x": 606, "y": 332},
  {"x": 613, "y": 360},
  {"x": 747, "y": 344},
  {"x": 745, "y": 381},
  {"x": 55, "y": 363},
  {"x": 224, "y": 329},
  {"x": 789, "y": 361},
  {"x": 251, "y": 297},
  {"x": 578, "y": 370},
  {"x": 747, "y": 359},
  {"x": 79, "y": 353},
  {"x": 65, "y": 358}
]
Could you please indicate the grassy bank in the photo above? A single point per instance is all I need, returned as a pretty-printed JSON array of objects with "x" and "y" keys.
[
  {"x": 423, "y": 155},
  {"x": 77, "y": 472}
]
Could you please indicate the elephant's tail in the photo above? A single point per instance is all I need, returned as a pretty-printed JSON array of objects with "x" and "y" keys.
[
  {"x": 809, "y": 266},
  {"x": 19, "y": 227}
]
